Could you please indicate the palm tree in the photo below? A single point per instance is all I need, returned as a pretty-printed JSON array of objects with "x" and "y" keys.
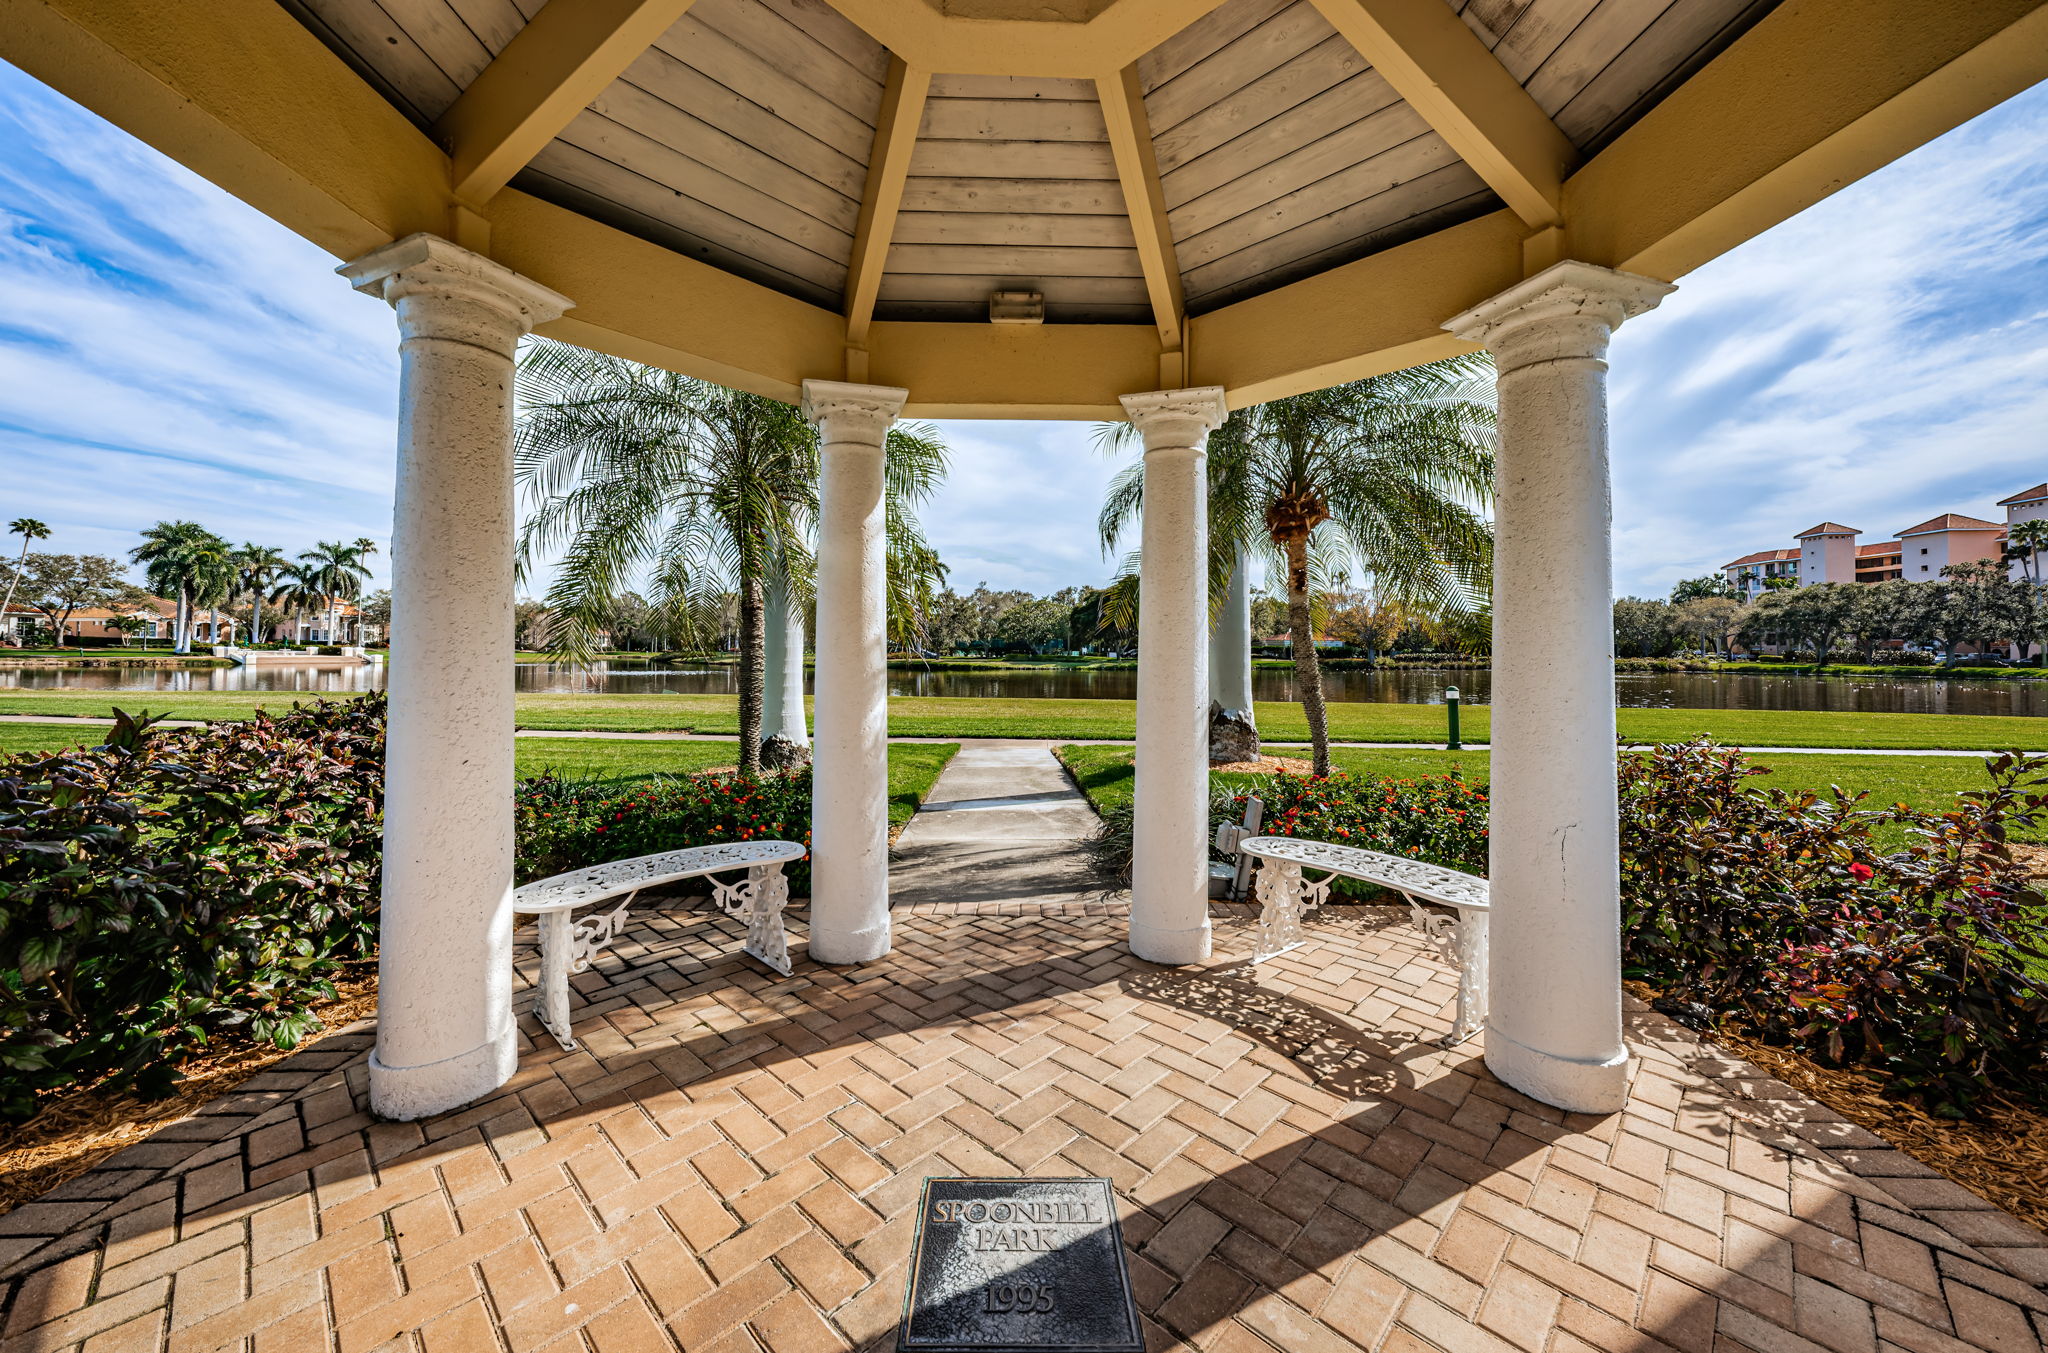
[
  {"x": 635, "y": 473},
  {"x": 2024, "y": 541},
  {"x": 185, "y": 560},
  {"x": 299, "y": 590},
  {"x": 340, "y": 569},
  {"x": 1388, "y": 475},
  {"x": 257, "y": 568},
  {"x": 30, "y": 530}
]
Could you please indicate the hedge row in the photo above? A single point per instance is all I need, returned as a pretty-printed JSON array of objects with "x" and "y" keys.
[
  {"x": 172, "y": 884},
  {"x": 1779, "y": 909}
]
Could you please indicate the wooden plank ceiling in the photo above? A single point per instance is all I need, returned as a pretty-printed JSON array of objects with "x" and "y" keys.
[
  {"x": 744, "y": 136},
  {"x": 1012, "y": 185}
]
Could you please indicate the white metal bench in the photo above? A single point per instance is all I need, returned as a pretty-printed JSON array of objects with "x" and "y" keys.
[
  {"x": 568, "y": 945},
  {"x": 1284, "y": 892}
]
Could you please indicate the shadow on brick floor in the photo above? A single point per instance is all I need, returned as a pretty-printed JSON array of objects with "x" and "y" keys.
[{"x": 731, "y": 1161}]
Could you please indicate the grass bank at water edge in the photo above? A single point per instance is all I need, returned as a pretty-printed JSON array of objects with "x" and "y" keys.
[{"x": 951, "y": 717}]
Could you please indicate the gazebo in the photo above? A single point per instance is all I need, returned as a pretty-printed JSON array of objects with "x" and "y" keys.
[{"x": 1152, "y": 209}]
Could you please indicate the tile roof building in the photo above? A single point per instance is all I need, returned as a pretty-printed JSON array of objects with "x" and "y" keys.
[{"x": 1829, "y": 552}]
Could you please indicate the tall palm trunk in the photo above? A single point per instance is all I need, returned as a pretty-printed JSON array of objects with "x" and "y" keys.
[
  {"x": 182, "y": 622},
  {"x": 1308, "y": 673},
  {"x": 15, "y": 580},
  {"x": 753, "y": 668},
  {"x": 256, "y": 619}
]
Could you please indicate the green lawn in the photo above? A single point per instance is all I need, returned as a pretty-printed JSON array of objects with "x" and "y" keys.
[
  {"x": 47, "y": 737},
  {"x": 932, "y": 716},
  {"x": 625, "y": 759},
  {"x": 1926, "y": 782},
  {"x": 913, "y": 766}
]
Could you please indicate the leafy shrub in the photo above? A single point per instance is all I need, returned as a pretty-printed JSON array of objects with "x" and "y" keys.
[
  {"x": 1899, "y": 657},
  {"x": 1667, "y": 665},
  {"x": 1782, "y": 908},
  {"x": 563, "y": 823},
  {"x": 173, "y": 883},
  {"x": 1438, "y": 819},
  {"x": 1785, "y": 910}
]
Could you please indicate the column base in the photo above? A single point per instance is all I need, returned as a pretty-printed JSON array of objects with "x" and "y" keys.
[
  {"x": 848, "y": 946},
  {"x": 1233, "y": 737},
  {"x": 1574, "y": 1086},
  {"x": 781, "y": 753},
  {"x": 404, "y": 1093},
  {"x": 1155, "y": 944}
]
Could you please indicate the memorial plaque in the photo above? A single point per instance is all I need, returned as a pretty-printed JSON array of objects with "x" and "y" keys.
[{"x": 1023, "y": 1265}]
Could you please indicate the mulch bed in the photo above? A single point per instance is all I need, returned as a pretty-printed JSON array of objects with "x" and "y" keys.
[
  {"x": 1267, "y": 765},
  {"x": 80, "y": 1128},
  {"x": 2000, "y": 1154}
]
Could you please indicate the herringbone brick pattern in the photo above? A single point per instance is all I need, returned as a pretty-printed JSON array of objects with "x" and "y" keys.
[{"x": 731, "y": 1163}]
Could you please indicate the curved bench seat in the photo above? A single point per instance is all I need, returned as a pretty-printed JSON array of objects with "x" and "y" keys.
[
  {"x": 1285, "y": 892},
  {"x": 569, "y": 945}
]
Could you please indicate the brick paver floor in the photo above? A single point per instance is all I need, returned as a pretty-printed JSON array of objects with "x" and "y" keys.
[{"x": 731, "y": 1163}]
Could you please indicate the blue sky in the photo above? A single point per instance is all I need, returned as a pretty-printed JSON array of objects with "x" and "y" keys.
[{"x": 166, "y": 351}]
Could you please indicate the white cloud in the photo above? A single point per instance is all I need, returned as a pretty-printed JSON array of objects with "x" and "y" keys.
[
  {"x": 165, "y": 351},
  {"x": 1876, "y": 360},
  {"x": 1018, "y": 509}
]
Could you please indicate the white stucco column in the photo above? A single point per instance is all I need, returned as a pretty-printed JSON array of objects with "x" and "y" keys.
[
  {"x": 1554, "y": 985},
  {"x": 1170, "y": 862},
  {"x": 785, "y": 732},
  {"x": 444, "y": 985},
  {"x": 1230, "y": 647},
  {"x": 850, "y": 751}
]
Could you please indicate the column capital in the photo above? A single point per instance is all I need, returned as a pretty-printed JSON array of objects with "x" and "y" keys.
[
  {"x": 1567, "y": 310},
  {"x": 1168, "y": 419},
  {"x": 423, "y": 265},
  {"x": 845, "y": 412}
]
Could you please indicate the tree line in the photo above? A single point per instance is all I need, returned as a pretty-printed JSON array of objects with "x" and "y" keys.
[
  {"x": 1978, "y": 603},
  {"x": 194, "y": 568}
]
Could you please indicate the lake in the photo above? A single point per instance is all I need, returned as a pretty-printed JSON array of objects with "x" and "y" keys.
[{"x": 1672, "y": 690}]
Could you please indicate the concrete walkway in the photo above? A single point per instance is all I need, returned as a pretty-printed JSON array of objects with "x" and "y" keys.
[{"x": 1002, "y": 825}]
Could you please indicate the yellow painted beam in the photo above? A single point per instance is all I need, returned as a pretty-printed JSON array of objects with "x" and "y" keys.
[
  {"x": 1381, "y": 313},
  {"x": 1137, "y": 169},
  {"x": 1814, "y": 97},
  {"x": 903, "y": 94},
  {"x": 651, "y": 304},
  {"x": 1445, "y": 73},
  {"x": 1073, "y": 371},
  {"x": 551, "y": 71},
  {"x": 974, "y": 37}
]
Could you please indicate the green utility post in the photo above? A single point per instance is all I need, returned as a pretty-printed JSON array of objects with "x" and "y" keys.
[{"x": 1451, "y": 708}]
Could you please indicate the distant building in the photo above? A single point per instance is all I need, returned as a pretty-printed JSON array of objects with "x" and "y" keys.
[
  {"x": 1749, "y": 574},
  {"x": 1829, "y": 552},
  {"x": 92, "y": 622}
]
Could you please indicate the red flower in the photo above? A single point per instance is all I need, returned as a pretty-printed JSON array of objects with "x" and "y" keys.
[{"x": 1860, "y": 872}]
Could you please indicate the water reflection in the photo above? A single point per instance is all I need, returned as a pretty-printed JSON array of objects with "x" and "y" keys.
[{"x": 1673, "y": 690}]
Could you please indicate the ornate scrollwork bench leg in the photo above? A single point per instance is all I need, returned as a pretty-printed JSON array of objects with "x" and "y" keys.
[
  {"x": 1284, "y": 893},
  {"x": 1461, "y": 940},
  {"x": 569, "y": 946},
  {"x": 758, "y": 899}
]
